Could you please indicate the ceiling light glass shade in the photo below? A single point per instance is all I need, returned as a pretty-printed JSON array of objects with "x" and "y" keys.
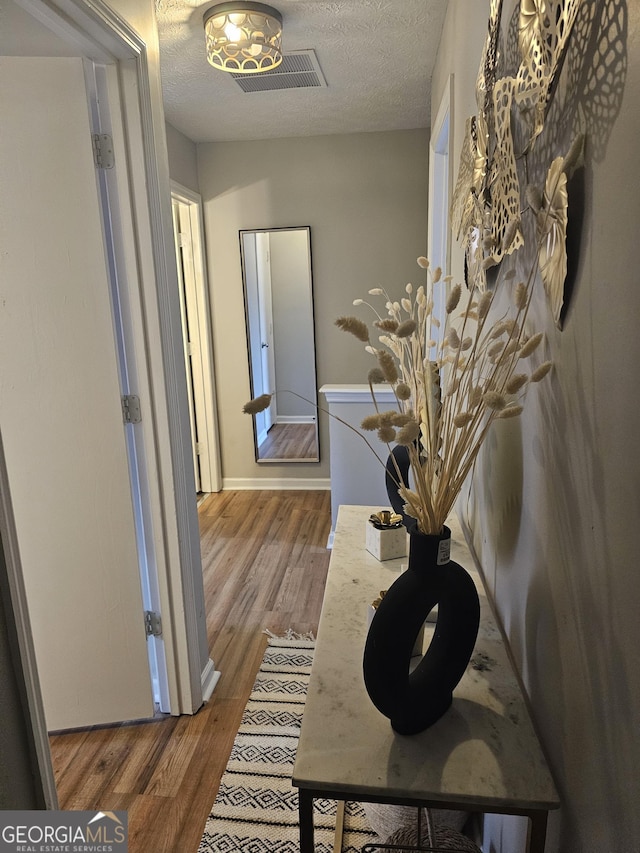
[{"x": 245, "y": 38}]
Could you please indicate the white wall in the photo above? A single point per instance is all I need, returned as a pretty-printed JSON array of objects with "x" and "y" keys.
[
  {"x": 556, "y": 497},
  {"x": 365, "y": 198},
  {"x": 357, "y": 477}
]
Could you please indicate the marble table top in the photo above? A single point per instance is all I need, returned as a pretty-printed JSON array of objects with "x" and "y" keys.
[{"x": 483, "y": 752}]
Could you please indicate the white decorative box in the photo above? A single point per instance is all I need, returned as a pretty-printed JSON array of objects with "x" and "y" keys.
[{"x": 386, "y": 543}]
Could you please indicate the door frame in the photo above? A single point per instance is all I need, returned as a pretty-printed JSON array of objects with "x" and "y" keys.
[
  {"x": 198, "y": 309},
  {"x": 100, "y": 35},
  {"x": 441, "y": 192}
]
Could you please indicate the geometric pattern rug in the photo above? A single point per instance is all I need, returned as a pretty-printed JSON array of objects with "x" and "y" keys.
[{"x": 256, "y": 809}]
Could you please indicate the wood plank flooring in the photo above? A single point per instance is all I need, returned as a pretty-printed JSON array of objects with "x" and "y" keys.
[
  {"x": 264, "y": 564},
  {"x": 290, "y": 441}
]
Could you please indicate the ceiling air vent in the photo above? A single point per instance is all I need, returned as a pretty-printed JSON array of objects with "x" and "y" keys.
[{"x": 298, "y": 70}]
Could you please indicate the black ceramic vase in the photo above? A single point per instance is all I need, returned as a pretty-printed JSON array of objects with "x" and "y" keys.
[{"x": 414, "y": 700}]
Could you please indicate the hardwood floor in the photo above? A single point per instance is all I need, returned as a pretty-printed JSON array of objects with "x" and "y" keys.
[
  {"x": 290, "y": 441},
  {"x": 264, "y": 564}
]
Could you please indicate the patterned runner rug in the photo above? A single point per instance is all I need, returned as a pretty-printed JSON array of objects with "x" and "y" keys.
[{"x": 256, "y": 810}]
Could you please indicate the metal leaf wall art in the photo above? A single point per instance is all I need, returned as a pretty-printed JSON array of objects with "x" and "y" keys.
[
  {"x": 504, "y": 183},
  {"x": 513, "y": 95},
  {"x": 551, "y": 222},
  {"x": 488, "y": 63},
  {"x": 466, "y": 191},
  {"x": 543, "y": 34}
]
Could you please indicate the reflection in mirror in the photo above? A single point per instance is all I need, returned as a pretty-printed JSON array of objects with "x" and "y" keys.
[{"x": 276, "y": 274}]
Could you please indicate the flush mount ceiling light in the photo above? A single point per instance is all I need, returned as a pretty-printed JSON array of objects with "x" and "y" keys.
[{"x": 245, "y": 38}]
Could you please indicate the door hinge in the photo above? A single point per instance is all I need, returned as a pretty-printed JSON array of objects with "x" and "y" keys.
[
  {"x": 103, "y": 151},
  {"x": 131, "y": 409},
  {"x": 152, "y": 623}
]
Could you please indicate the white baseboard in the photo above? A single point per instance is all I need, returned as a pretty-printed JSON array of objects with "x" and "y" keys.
[
  {"x": 275, "y": 483},
  {"x": 208, "y": 679},
  {"x": 295, "y": 419}
]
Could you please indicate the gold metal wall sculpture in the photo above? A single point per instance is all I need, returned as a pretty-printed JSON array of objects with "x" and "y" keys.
[{"x": 563, "y": 66}]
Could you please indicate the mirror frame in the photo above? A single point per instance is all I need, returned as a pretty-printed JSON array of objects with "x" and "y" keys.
[{"x": 243, "y": 264}]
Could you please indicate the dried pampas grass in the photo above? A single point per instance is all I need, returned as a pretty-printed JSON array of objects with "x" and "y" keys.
[{"x": 450, "y": 383}]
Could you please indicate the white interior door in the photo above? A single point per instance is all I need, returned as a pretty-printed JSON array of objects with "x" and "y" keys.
[
  {"x": 196, "y": 327},
  {"x": 190, "y": 345},
  {"x": 60, "y": 405}
]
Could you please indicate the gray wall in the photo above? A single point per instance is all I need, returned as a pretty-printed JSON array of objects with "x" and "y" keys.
[
  {"x": 365, "y": 198},
  {"x": 183, "y": 163},
  {"x": 292, "y": 322},
  {"x": 556, "y": 495}
]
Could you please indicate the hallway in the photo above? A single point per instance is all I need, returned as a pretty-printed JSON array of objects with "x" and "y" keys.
[{"x": 264, "y": 563}]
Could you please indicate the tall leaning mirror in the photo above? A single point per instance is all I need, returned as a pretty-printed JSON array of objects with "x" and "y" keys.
[{"x": 278, "y": 293}]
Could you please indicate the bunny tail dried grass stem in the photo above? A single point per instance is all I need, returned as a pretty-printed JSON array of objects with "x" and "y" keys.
[
  {"x": 398, "y": 478},
  {"x": 423, "y": 486},
  {"x": 259, "y": 404}
]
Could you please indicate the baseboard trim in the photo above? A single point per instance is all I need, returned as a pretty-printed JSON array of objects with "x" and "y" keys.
[
  {"x": 275, "y": 483},
  {"x": 295, "y": 419},
  {"x": 209, "y": 678}
]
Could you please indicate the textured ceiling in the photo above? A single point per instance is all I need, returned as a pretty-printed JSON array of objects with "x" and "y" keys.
[{"x": 376, "y": 55}]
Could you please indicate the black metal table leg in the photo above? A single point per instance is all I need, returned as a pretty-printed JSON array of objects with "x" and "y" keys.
[
  {"x": 305, "y": 810},
  {"x": 537, "y": 831}
]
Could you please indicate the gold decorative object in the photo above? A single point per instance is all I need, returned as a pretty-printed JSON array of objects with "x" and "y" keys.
[
  {"x": 506, "y": 234},
  {"x": 377, "y": 601},
  {"x": 534, "y": 72},
  {"x": 386, "y": 536},
  {"x": 481, "y": 155},
  {"x": 385, "y": 519},
  {"x": 470, "y": 209},
  {"x": 462, "y": 207},
  {"x": 552, "y": 234},
  {"x": 551, "y": 222},
  {"x": 486, "y": 207},
  {"x": 487, "y": 70},
  {"x": 470, "y": 198}
]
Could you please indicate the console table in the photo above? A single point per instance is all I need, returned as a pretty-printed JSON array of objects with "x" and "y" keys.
[{"x": 482, "y": 756}]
